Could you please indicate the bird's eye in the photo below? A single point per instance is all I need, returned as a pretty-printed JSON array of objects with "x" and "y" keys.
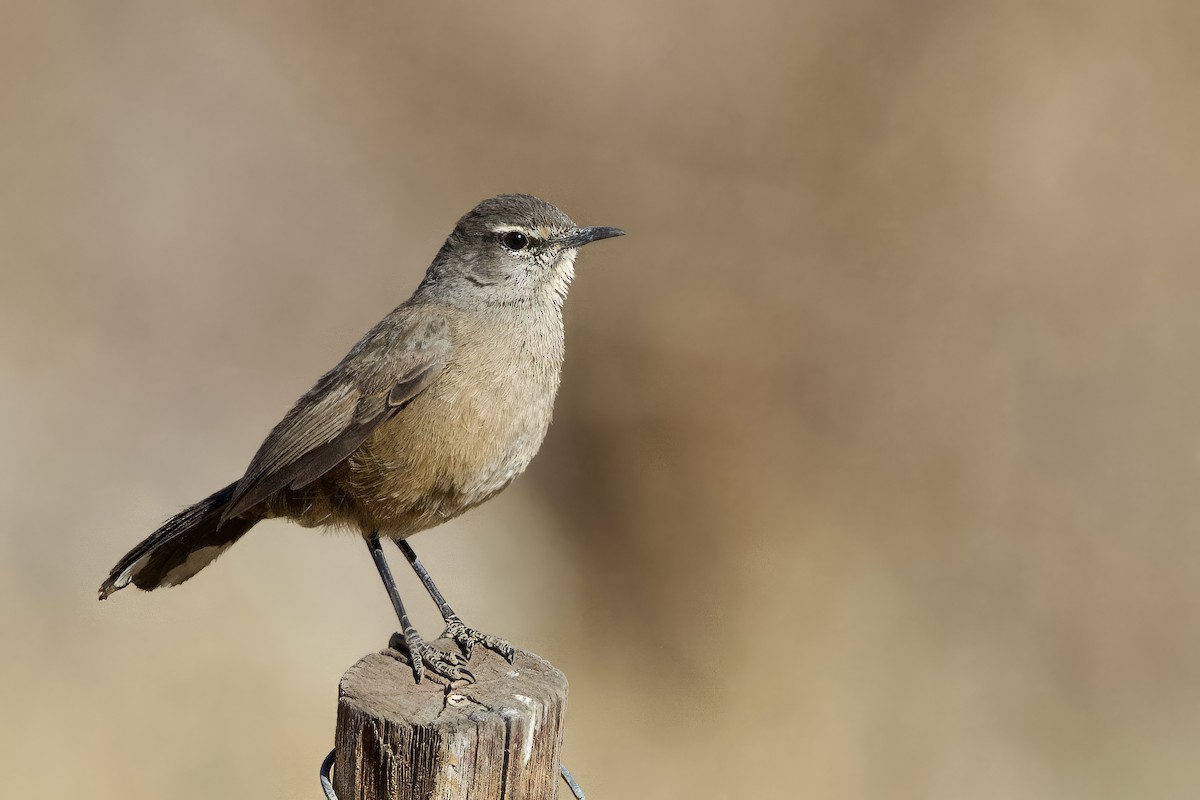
[{"x": 515, "y": 240}]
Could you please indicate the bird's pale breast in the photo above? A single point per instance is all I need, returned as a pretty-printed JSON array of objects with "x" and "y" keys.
[{"x": 466, "y": 437}]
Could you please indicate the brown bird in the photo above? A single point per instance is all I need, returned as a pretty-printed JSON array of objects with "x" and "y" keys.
[{"x": 434, "y": 411}]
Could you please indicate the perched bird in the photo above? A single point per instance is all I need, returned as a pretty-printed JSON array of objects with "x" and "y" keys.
[{"x": 435, "y": 410}]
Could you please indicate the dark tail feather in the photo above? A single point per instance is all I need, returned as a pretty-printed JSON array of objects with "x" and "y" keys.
[{"x": 184, "y": 545}]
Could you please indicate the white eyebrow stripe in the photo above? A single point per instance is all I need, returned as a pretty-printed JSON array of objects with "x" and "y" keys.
[{"x": 507, "y": 228}]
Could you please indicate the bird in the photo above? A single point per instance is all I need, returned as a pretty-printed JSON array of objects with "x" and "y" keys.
[{"x": 435, "y": 410}]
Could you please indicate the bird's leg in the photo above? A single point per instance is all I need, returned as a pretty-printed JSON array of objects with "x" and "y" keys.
[
  {"x": 466, "y": 637},
  {"x": 420, "y": 653}
]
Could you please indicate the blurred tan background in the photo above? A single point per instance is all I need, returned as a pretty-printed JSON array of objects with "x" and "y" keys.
[{"x": 875, "y": 466}]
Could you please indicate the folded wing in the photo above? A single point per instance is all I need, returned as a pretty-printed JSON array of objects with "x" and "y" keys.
[{"x": 384, "y": 372}]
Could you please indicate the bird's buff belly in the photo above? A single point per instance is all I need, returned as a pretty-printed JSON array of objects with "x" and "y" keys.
[{"x": 397, "y": 486}]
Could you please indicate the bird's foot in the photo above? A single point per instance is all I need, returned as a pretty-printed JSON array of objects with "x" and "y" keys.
[
  {"x": 421, "y": 654},
  {"x": 467, "y": 638}
]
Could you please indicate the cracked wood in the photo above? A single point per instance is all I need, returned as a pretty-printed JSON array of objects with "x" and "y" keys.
[{"x": 495, "y": 739}]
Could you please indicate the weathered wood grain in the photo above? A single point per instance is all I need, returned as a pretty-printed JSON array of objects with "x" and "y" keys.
[{"x": 495, "y": 739}]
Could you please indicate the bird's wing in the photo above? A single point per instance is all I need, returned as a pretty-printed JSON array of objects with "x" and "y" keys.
[{"x": 393, "y": 363}]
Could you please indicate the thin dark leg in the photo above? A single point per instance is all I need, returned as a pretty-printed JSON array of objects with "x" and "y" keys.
[
  {"x": 389, "y": 583},
  {"x": 422, "y": 573},
  {"x": 466, "y": 637},
  {"x": 448, "y": 665}
]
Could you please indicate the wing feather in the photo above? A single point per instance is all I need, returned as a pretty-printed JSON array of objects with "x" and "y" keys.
[{"x": 392, "y": 364}]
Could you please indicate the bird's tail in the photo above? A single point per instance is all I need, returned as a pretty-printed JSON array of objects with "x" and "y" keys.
[{"x": 184, "y": 545}]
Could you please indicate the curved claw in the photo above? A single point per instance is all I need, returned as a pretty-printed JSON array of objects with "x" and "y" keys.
[
  {"x": 467, "y": 638},
  {"x": 418, "y": 668},
  {"x": 421, "y": 654},
  {"x": 448, "y": 665}
]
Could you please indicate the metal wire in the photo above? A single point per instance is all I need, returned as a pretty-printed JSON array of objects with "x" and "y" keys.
[
  {"x": 326, "y": 782},
  {"x": 330, "y": 794},
  {"x": 570, "y": 779}
]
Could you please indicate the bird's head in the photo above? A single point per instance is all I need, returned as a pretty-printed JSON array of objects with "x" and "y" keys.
[{"x": 511, "y": 249}]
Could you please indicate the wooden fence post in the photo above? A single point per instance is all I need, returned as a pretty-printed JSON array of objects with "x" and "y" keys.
[{"x": 495, "y": 739}]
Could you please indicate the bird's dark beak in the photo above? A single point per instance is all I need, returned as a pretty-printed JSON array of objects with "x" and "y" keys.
[{"x": 581, "y": 236}]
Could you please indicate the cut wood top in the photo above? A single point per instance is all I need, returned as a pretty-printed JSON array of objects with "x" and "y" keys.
[{"x": 381, "y": 685}]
